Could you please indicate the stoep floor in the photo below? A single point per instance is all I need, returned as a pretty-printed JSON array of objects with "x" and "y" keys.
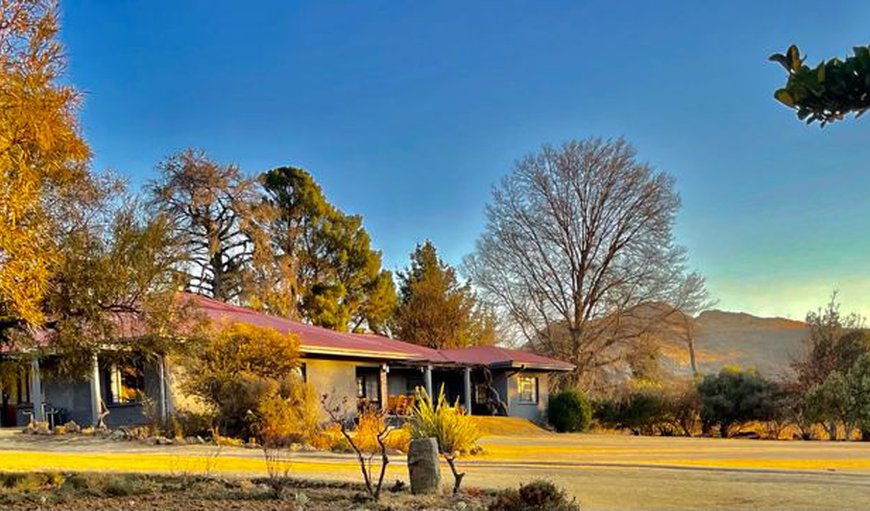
[{"x": 605, "y": 472}]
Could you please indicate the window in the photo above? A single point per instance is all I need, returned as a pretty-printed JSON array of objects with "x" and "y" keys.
[
  {"x": 23, "y": 387},
  {"x": 368, "y": 385},
  {"x": 126, "y": 383},
  {"x": 527, "y": 389}
]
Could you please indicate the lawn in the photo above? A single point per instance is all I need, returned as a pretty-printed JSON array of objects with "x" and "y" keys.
[{"x": 605, "y": 472}]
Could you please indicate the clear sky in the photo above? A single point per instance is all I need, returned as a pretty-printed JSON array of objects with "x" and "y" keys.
[{"x": 408, "y": 112}]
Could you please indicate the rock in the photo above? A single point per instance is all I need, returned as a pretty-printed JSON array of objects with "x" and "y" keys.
[
  {"x": 72, "y": 428},
  {"x": 163, "y": 441},
  {"x": 423, "y": 468},
  {"x": 118, "y": 434}
]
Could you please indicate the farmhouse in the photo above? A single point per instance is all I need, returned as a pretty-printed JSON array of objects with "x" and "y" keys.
[{"x": 372, "y": 370}]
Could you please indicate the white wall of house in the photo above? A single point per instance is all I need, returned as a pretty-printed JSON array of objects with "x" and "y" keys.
[{"x": 529, "y": 409}]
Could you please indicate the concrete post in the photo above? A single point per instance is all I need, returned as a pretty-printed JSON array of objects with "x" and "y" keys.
[
  {"x": 427, "y": 380},
  {"x": 96, "y": 394},
  {"x": 36, "y": 390},
  {"x": 467, "y": 389},
  {"x": 384, "y": 389}
]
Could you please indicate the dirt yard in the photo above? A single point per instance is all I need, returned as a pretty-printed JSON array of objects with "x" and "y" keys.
[
  {"x": 105, "y": 491},
  {"x": 605, "y": 472}
]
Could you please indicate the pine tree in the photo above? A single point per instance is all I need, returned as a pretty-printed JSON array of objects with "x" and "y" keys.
[{"x": 436, "y": 309}]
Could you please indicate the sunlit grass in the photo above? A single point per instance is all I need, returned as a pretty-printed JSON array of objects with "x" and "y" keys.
[{"x": 181, "y": 463}]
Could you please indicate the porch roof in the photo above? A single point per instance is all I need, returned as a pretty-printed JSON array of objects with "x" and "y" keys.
[{"x": 498, "y": 357}]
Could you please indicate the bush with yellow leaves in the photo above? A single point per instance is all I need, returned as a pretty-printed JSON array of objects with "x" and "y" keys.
[
  {"x": 288, "y": 414},
  {"x": 246, "y": 376},
  {"x": 456, "y": 432}
]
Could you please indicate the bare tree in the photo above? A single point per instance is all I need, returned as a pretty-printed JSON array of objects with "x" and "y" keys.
[
  {"x": 209, "y": 205},
  {"x": 368, "y": 441},
  {"x": 579, "y": 254},
  {"x": 693, "y": 298}
]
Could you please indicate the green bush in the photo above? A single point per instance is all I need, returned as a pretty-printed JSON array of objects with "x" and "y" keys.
[
  {"x": 734, "y": 397},
  {"x": 537, "y": 495},
  {"x": 569, "y": 411},
  {"x": 643, "y": 412}
]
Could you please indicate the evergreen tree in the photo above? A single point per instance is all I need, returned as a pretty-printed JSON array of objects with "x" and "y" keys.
[
  {"x": 436, "y": 309},
  {"x": 320, "y": 259}
]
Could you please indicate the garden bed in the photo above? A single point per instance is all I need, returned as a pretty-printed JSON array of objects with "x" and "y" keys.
[{"x": 89, "y": 491}]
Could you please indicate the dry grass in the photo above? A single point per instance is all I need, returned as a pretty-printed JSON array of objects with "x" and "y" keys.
[
  {"x": 605, "y": 472},
  {"x": 508, "y": 426}
]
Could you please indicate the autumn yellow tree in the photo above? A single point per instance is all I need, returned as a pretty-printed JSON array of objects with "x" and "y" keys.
[{"x": 42, "y": 154}]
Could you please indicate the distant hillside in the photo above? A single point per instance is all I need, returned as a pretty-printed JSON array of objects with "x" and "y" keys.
[{"x": 726, "y": 338}]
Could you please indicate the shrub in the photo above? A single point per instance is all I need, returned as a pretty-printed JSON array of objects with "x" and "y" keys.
[
  {"x": 399, "y": 439},
  {"x": 287, "y": 415},
  {"x": 537, "y": 495},
  {"x": 643, "y": 412},
  {"x": 735, "y": 397},
  {"x": 455, "y": 431},
  {"x": 235, "y": 368},
  {"x": 329, "y": 438},
  {"x": 190, "y": 423},
  {"x": 121, "y": 486},
  {"x": 859, "y": 388},
  {"x": 569, "y": 411},
  {"x": 29, "y": 482}
]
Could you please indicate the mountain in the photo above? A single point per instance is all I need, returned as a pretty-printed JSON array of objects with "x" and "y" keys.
[{"x": 728, "y": 338}]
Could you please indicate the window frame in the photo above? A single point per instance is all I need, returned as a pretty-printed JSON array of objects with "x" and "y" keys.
[
  {"x": 114, "y": 380},
  {"x": 23, "y": 385},
  {"x": 531, "y": 381},
  {"x": 368, "y": 385}
]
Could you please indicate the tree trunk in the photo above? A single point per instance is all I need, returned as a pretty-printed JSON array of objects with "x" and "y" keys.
[
  {"x": 692, "y": 360},
  {"x": 831, "y": 427},
  {"x": 457, "y": 477}
]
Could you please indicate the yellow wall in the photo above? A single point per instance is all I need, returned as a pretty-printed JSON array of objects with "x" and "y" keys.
[{"x": 335, "y": 377}]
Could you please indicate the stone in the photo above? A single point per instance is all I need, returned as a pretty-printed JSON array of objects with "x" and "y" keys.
[
  {"x": 423, "y": 468},
  {"x": 72, "y": 427}
]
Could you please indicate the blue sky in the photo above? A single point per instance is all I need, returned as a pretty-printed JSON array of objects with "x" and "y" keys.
[{"x": 408, "y": 112}]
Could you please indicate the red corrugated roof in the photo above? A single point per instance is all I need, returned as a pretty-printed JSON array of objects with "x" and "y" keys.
[
  {"x": 312, "y": 339},
  {"x": 497, "y": 356},
  {"x": 317, "y": 340}
]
